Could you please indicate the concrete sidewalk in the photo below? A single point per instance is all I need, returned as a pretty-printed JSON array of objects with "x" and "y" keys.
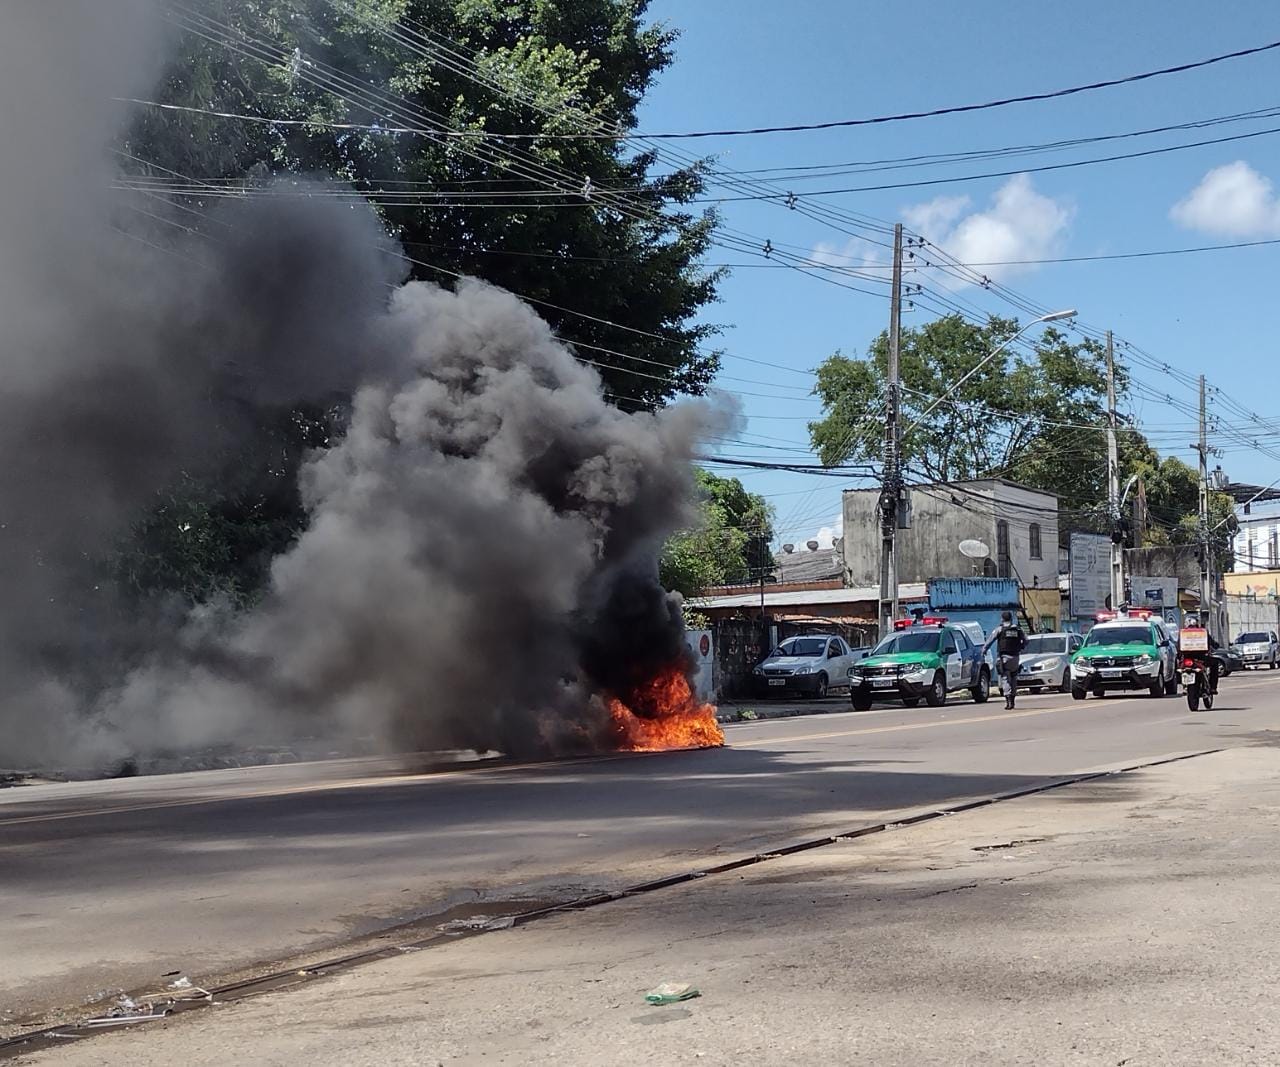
[{"x": 1127, "y": 921}]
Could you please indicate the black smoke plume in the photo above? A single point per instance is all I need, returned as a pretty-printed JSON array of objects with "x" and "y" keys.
[{"x": 479, "y": 563}]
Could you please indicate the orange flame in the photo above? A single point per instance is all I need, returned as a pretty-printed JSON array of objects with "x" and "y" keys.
[{"x": 670, "y": 717}]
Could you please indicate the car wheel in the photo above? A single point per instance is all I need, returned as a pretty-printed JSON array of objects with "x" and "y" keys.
[
  {"x": 1171, "y": 686},
  {"x": 982, "y": 691},
  {"x": 910, "y": 702},
  {"x": 822, "y": 686},
  {"x": 1065, "y": 687},
  {"x": 860, "y": 703},
  {"x": 1079, "y": 694},
  {"x": 1156, "y": 688},
  {"x": 1273, "y": 663},
  {"x": 936, "y": 695}
]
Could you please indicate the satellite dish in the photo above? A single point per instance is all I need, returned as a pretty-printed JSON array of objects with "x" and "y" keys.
[{"x": 974, "y": 549}]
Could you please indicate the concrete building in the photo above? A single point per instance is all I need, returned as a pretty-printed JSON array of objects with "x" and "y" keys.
[
  {"x": 1257, "y": 543},
  {"x": 1019, "y": 526}
]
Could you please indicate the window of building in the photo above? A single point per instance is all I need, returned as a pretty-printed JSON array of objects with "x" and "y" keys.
[
  {"x": 1036, "y": 552},
  {"x": 1003, "y": 566}
]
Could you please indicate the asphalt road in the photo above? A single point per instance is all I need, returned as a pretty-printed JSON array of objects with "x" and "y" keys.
[{"x": 109, "y": 885}]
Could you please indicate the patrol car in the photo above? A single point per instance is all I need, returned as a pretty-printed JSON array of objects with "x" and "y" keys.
[
  {"x": 1126, "y": 650},
  {"x": 922, "y": 659}
]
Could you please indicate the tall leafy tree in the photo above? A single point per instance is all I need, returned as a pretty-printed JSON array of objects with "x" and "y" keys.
[
  {"x": 730, "y": 545},
  {"x": 490, "y": 183},
  {"x": 451, "y": 117},
  {"x": 1031, "y": 417}
]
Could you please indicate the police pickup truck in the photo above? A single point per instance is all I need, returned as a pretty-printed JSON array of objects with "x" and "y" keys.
[{"x": 922, "y": 659}]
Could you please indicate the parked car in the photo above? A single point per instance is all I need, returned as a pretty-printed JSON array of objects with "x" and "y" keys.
[
  {"x": 808, "y": 664},
  {"x": 920, "y": 661},
  {"x": 1257, "y": 648},
  {"x": 1132, "y": 651},
  {"x": 1046, "y": 661}
]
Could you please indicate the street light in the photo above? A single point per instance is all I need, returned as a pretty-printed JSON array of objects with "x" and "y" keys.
[{"x": 1053, "y": 316}]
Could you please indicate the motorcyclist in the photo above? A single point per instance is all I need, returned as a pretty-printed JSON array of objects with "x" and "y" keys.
[
  {"x": 1009, "y": 641},
  {"x": 1193, "y": 622}
]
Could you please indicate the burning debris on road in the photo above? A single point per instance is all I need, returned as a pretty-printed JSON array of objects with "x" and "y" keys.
[{"x": 478, "y": 569}]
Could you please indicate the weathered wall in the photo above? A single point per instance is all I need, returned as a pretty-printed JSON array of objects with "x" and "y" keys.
[
  {"x": 927, "y": 550},
  {"x": 1044, "y": 607},
  {"x": 1022, "y": 509},
  {"x": 1253, "y": 583},
  {"x": 1245, "y": 613}
]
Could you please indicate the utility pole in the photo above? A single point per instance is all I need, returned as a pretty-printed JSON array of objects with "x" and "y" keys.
[
  {"x": 1207, "y": 617},
  {"x": 891, "y": 483},
  {"x": 1113, "y": 485}
]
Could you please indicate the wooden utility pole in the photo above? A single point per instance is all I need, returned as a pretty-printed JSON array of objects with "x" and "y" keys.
[
  {"x": 891, "y": 481},
  {"x": 1113, "y": 485},
  {"x": 1207, "y": 618}
]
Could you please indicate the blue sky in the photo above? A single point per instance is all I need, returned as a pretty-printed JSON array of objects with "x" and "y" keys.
[{"x": 748, "y": 63}]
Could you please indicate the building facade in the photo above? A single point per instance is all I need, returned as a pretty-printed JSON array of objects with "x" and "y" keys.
[
  {"x": 1018, "y": 525},
  {"x": 1257, "y": 544}
]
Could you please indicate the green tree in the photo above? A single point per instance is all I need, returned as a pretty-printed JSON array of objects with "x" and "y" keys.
[
  {"x": 580, "y": 223},
  {"x": 730, "y": 545},
  {"x": 617, "y": 243},
  {"x": 1033, "y": 417}
]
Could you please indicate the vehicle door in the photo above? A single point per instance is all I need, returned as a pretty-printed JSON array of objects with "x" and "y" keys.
[
  {"x": 837, "y": 662},
  {"x": 954, "y": 662},
  {"x": 1168, "y": 653},
  {"x": 970, "y": 659}
]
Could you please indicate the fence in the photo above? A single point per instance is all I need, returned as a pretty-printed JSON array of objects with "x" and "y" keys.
[
  {"x": 742, "y": 643},
  {"x": 1247, "y": 614}
]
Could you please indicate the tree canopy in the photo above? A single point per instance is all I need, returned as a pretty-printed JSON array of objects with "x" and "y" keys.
[
  {"x": 731, "y": 545},
  {"x": 484, "y": 184},
  {"x": 1035, "y": 416},
  {"x": 447, "y": 116},
  {"x": 1028, "y": 416}
]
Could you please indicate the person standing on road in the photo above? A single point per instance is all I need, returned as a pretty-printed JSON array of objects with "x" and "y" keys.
[{"x": 1009, "y": 641}]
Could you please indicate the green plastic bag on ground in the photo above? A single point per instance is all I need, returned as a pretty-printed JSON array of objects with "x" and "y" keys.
[{"x": 671, "y": 993}]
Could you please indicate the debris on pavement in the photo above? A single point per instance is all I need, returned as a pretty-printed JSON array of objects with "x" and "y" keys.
[
  {"x": 476, "y": 923},
  {"x": 671, "y": 993}
]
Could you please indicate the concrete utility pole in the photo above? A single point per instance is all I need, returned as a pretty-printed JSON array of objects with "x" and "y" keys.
[
  {"x": 891, "y": 481},
  {"x": 1207, "y": 618},
  {"x": 1113, "y": 484}
]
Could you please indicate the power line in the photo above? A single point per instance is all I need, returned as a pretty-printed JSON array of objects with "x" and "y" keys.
[
  {"x": 954, "y": 179},
  {"x": 963, "y": 108}
]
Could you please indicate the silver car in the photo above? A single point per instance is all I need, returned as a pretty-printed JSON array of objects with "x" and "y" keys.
[
  {"x": 809, "y": 664},
  {"x": 1258, "y": 648},
  {"x": 1046, "y": 662}
]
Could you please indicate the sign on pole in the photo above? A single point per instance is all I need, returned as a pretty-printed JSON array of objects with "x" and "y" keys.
[
  {"x": 1158, "y": 594},
  {"x": 1090, "y": 574}
]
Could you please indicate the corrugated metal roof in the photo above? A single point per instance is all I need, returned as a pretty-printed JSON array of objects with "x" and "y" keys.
[
  {"x": 808, "y": 566},
  {"x": 800, "y": 597}
]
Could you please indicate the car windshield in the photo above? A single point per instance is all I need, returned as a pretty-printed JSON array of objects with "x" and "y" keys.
[
  {"x": 1252, "y": 639},
  {"x": 802, "y": 646},
  {"x": 1119, "y": 635},
  {"x": 909, "y": 641},
  {"x": 1043, "y": 646}
]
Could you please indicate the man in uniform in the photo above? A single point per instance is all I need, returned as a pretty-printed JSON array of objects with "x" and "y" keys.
[{"x": 1009, "y": 641}]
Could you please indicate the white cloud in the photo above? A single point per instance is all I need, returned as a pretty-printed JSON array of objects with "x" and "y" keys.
[
  {"x": 855, "y": 252},
  {"x": 827, "y": 535},
  {"x": 1020, "y": 223},
  {"x": 1233, "y": 200}
]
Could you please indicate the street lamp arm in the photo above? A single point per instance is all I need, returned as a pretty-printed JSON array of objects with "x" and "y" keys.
[{"x": 1051, "y": 317}]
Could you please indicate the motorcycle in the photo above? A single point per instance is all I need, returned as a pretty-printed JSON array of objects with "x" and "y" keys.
[{"x": 1195, "y": 680}]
